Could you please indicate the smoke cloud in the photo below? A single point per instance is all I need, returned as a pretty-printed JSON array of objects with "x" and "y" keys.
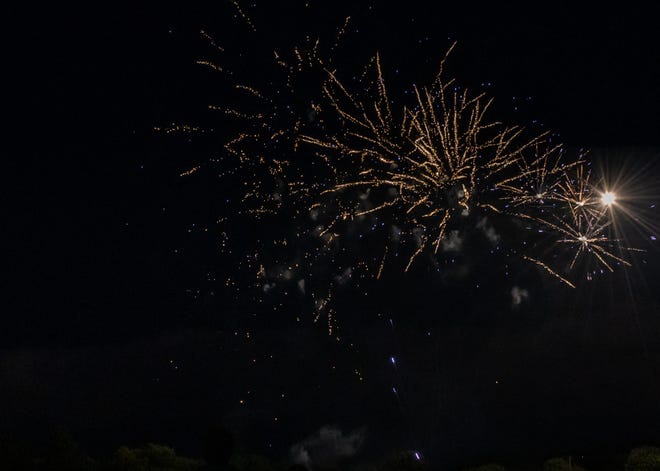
[
  {"x": 327, "y": 447},
  {"x": 518, "y": 295},
  {"x": 489, "y": 231},
  {"x": 453, "y": 243}
]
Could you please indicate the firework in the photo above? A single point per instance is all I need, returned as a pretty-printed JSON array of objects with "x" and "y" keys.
[
  {"x": 428, "y": 165},
  {"x": 352, "y": 180}
]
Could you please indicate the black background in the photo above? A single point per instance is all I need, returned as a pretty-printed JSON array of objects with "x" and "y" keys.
[{"x": 98, "y": 307}]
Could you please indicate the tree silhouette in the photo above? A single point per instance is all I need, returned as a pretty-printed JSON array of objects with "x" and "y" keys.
[
  {"x": 151, "y": 457},
  {"x": 488, "y": 467},
  {"x": 645, "y": 458},
  {"x": 561, "y": 464}
]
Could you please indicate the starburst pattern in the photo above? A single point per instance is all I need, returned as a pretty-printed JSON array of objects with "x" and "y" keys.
[{"x": 365, "y": 178}]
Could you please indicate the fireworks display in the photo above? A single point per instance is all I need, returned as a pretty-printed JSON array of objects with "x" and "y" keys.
[
  {"x": 325, "y": 235},
  {"x": 347, "y": 181}
]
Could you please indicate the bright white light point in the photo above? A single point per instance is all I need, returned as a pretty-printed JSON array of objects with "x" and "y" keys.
[
  {"x": 582, "y": 239},
  {"x": 608, "y": 198}
]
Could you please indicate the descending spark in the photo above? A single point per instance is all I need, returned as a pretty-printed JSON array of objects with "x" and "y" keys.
[
  {"x": 190, "y": 171},
  {"x": 549, "y": 270},
  {"x": 244, "y": 16}
]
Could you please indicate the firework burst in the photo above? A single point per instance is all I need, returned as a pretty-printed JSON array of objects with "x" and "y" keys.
[{"x": 352, "y": 178}]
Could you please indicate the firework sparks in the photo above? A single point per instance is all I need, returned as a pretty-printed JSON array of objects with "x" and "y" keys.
[
  {"x": 425, "y": 164},
  {"x": 367, "y": 178}
]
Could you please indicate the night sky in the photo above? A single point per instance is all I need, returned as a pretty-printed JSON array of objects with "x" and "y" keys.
[{"x": 118, "y": 330}]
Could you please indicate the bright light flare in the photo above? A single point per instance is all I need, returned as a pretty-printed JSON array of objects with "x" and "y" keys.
[{"x": 608, "y": 198}]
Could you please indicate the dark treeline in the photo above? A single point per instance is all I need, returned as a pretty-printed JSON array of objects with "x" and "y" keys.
[{"x": 61, "y": 452}]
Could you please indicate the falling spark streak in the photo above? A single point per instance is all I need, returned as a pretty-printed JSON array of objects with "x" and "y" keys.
[
  {"x": 382, "y": 264},
  {"x": 549, "y": 270},
  {"x": 190, "y": 171},
  {"x": 244, "y": 16},
  {"x": 211, "y": 41},
  {"x": 211, "y": 65}
]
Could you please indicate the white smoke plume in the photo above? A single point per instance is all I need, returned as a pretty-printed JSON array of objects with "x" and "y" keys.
[
  {"x": 396, "y": 233},
  {"x": 489, "y": 231},
  {"x": 327, "y": 447},
  {"x": 453, "y": 243},
  {"x": 518, "y": 295}
]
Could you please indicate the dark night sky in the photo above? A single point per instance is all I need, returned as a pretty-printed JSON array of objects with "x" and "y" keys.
[{"x": 102, "y": 337}]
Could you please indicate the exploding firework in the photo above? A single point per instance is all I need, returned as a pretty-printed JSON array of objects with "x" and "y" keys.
[
  {"x": 336, "y": 182},
  {"x": 350, "y": 180},
  {"x": 425, "y": 167}
]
